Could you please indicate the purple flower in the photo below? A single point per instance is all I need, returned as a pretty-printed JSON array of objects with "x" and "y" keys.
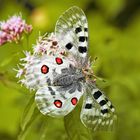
[
  {"x": 3, "y": 38},
  {"x": 12, "y": 29}
]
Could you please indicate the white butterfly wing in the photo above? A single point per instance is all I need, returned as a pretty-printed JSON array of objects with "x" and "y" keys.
[
  {"x": 41, "y": 70},
  {"x": 72, "y": 32},
  {"x": 97, "y": 111},
  {"x": 57, "y": 101}
]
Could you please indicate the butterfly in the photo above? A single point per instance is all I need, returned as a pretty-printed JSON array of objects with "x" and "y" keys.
[{"x": 60, "y": 72}]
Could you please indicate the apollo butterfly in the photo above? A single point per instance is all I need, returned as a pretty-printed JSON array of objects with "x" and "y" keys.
[{"x": 60, "y": 72}]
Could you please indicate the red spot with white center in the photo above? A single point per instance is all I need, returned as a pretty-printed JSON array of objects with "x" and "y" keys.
[
  {"x": 74, "y": 101},
  {"x": 58, "y": 103},
  {"x": 58, "y": 60},
  {"x": 44, "y": 69}
]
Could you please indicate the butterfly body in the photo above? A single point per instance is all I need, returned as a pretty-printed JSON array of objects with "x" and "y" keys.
[{"x": 60, "y": 72}]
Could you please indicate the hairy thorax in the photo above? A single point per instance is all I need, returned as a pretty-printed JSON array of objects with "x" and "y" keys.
[{"x": 68, "y": 79}]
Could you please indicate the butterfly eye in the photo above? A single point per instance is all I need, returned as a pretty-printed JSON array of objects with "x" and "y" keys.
[
  {"x": 74, "y": 101},
  {"x": 58, "y": 60},
  {"x": 44, "y": 69},
  {"x": 58, "y": 103}
]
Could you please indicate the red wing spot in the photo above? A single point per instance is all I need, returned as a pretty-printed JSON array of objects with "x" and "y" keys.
[
  {"x": 44, "y": 69},
  {"x": 74, "y": 101},
  {"x": 58, "y": 103},
  {"x": 58, "y": 60}
]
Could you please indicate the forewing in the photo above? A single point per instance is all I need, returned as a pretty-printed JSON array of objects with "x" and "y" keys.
[
  {"x": 41, "y": 70},
  {"x": 57, "y": 101},
  {"x": 97, "y": 111},
  {"x": 72, "y": 32}
]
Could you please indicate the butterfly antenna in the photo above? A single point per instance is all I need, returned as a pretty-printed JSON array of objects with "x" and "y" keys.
[
  {"x": 99, "y": 78},
  {"x": 94, "y": 61}
]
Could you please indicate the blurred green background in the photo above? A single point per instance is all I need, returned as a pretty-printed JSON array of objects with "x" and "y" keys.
[{"x": 114, "y": 30}]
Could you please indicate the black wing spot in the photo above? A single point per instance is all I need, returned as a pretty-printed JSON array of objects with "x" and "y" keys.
[
  {"x": 111, "y": 106},
  {"x": 69, "y": 46},
  {"x": 86, "y": 29},
  {"x": 88, "y": 106},
  {"x": 104, "y": 111},
  {"x": 97, "y": 94},
  {"x": 103, "y": 102},
  {"x": 52, "y": 93},
  {"x": 51, "y": 90},
  {"x": 82, "y": 38},
  {"x": 82, "y": 49},
  {"x": 106, "y": 99},
  {"x": 49, "y": 81},
  {"x": 77, "y": 30}
]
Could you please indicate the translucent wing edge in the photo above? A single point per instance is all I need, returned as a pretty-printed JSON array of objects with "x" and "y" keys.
[{"x": 98, "y": 112}]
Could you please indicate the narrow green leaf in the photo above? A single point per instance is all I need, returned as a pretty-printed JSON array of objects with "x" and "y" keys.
[
  {"x": 74, "y": 127},
  {"x": 27, "y": 112},
  {"x": 30, "y": 114}
]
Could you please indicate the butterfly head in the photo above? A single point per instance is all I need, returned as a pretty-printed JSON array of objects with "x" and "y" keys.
[{"x": 88, "y": 73}]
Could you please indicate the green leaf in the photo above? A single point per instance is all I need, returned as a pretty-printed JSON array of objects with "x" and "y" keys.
[
  {"x": 74, "y": 127},
  {"x": 29, "y": 115},
  {"x": 27, "y": 112}
]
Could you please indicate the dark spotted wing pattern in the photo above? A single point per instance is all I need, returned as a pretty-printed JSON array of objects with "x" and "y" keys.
[
  {"x": 97, "y": 112},
  {"x": 40, "y": 72},
  {"x": 72, "y": 33},
  {"x": 57, "y": 101}
]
